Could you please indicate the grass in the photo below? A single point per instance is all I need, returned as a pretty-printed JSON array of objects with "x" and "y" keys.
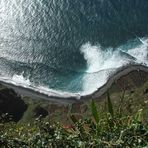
[
  {"x": 112, "y": 128},
  {"x": 119, "y": 119}
]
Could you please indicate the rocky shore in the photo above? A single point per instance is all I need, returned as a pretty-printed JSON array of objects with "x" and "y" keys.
[{"x": 25, "y": 105}]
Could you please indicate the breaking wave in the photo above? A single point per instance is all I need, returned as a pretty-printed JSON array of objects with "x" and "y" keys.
[
  {"x": 68, "y": 48},
  {"x": 101, "y": 65}
]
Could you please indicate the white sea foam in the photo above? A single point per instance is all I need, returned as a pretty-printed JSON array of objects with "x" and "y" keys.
[
  {"x": 21, "y": 80},
  {"x": 98, "y": 60},
  {"x": 91, "y": 82},
  {"x": 101, "y": 64},
  {"x": 140, "y": 52},
  {"x": 93, "y": 56}
]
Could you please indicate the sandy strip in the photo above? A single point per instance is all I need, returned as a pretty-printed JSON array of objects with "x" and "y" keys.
[
  {"x": 66, "y": 98},
  {"x": 37, "y": 94}
]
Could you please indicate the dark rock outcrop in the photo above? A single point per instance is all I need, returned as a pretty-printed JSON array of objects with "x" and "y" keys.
[
  {"x": 39, "y": 111},
  {"x": 12, "y": 104}
]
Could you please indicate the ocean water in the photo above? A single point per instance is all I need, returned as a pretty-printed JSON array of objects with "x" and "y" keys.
[{"x": 70, "y": 46}]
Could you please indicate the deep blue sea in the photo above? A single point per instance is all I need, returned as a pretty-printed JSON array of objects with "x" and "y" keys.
[{"x": 70, "y": 46}]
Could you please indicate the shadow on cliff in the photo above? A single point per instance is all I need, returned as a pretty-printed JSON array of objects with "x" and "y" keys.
[{"x": 12, "y": 104}]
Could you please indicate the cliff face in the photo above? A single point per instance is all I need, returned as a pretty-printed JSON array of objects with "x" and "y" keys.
[
  {"x": 122, "y": 81},
  {"x": 134, "y": 83},
  {"x": 132, "y": 80},
  {"x": 11, "y": 103}
]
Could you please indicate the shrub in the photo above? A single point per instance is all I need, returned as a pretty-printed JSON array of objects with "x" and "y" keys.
[{"x": 110, "y": 130}]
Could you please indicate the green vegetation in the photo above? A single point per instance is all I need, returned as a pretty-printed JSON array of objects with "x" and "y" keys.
[
  {"x": 118, "y": 118},
  {"x": 108, "y": 129}
]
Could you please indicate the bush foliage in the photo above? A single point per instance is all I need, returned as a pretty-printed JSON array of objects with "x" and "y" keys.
[{"x": 107, "y": 130}]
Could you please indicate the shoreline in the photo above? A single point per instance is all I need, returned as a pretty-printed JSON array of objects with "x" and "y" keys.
[
  {"x": 65, "y": 98},
  {"x": 123, "y": 71}
]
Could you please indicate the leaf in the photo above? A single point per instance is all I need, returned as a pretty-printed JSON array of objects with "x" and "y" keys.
[
  {"x": 94, "y": 111},
  {"x": 110, "y": 106},
  {"x": 74, "y": 119},
  {"x": 138, "y": 116}
]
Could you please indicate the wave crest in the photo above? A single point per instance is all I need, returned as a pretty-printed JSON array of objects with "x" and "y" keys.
[{"x": 101, "y": 64}]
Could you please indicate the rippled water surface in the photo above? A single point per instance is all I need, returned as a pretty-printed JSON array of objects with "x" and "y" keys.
[{"x": 70, "y": 45}]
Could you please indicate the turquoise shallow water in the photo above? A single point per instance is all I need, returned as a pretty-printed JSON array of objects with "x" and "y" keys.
[{"x": 70, "y": 45}]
